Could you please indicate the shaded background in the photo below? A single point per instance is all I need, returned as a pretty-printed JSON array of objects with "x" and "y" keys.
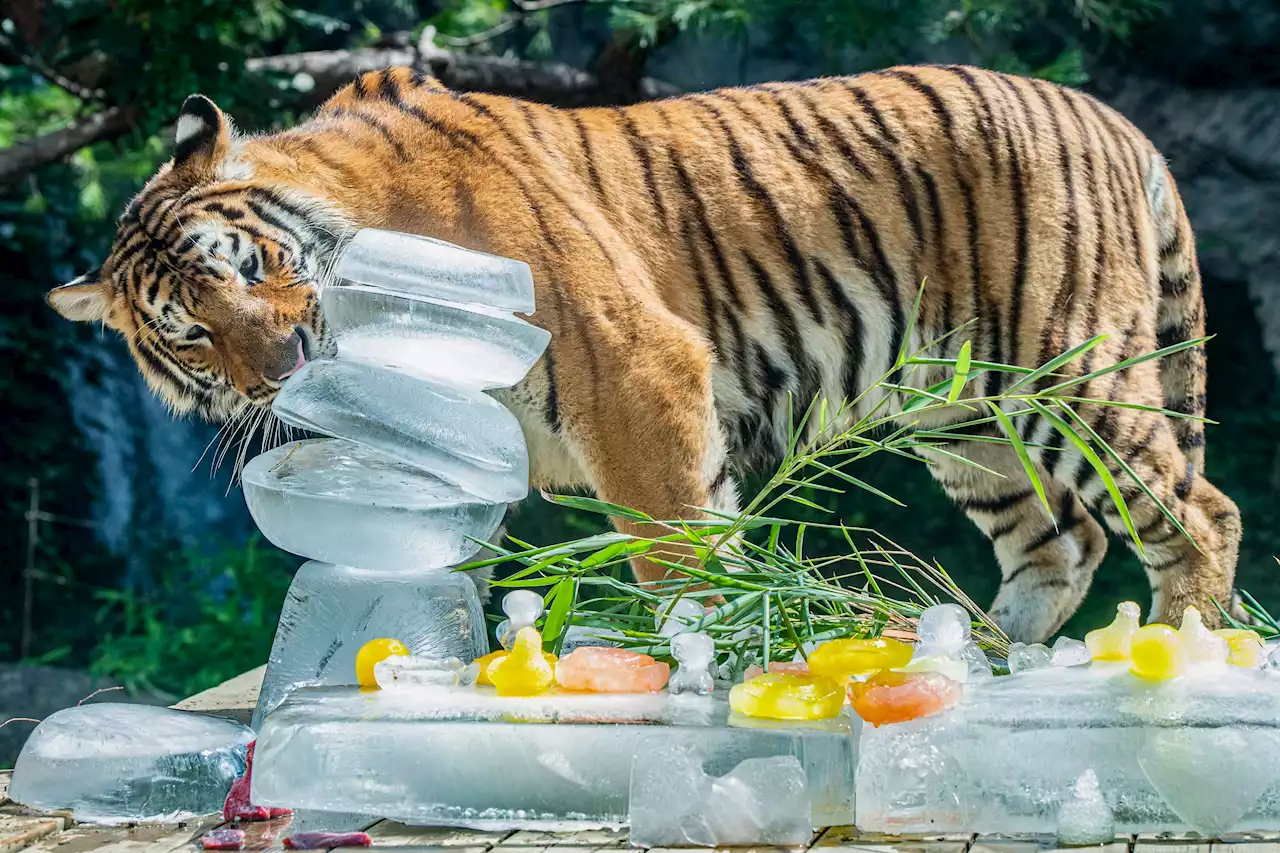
[{"x": 126, "y": 558}]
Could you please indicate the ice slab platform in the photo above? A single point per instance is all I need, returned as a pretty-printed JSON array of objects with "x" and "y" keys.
[
  {"x": 1199, "y": 752},
  {"x": 463, "y": 756}
]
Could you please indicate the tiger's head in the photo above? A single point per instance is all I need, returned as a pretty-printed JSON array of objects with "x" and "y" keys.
[{"x": 214, "y": 275}]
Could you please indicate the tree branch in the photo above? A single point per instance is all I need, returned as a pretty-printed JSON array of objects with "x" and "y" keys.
[
  {"x": 547, "y": 82},
  {"x": 17, "y": 161},
  {"x": 10, "y": 54}
]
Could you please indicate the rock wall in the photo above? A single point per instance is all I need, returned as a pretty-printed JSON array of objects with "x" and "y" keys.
[{"x": 1223, "y": 147}]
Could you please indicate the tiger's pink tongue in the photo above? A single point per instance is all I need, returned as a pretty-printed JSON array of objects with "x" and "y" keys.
[{"x": 302, "y": 359}]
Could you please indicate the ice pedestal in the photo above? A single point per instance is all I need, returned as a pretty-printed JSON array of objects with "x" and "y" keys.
[
  {"x": 331, "y": 611},
  {"x": 117, "y": 763},
  {"x": 1197, "y": 752},
  {"x": 342, "y": 503},
  {"x": 467, "y": 757}
]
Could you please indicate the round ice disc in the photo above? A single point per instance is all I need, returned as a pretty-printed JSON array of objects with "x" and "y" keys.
[
  {"x": 460, "y": 435},
  {"x": 341, "y": 502}
]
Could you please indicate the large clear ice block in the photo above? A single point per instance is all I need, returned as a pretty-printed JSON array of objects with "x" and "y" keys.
[
  {"x": 464, "y": 756},
  {"x": 340, "y": 502},
  {"x": 467, "y": 346},
  {"x": 406, "y": 263},
  {"x": 119, "y": 763},
  {"x": 463, "y": 437},
  {"x": 1198, "y": 752},
  {"x": 331, "y": 611}
]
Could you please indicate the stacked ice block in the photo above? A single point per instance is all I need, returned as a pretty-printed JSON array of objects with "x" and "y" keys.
[{"x": 420, "y": 462}]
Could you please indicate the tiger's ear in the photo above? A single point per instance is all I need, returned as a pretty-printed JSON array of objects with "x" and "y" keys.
[
  {"x": 85, "y": 300},
  {"x": 203, "y": 137}
]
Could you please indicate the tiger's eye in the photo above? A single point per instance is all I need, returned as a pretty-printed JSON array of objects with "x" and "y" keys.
[
  {"x": 249, "y": 269},
  {"x": 196, "y": 333}
]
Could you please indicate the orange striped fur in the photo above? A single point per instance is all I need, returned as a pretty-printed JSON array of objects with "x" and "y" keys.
[{"x": 702, "y": 261}]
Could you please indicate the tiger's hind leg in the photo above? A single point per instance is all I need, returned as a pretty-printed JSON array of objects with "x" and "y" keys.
[
  {"x": 1046, "y": 565},
  {"x": 1180, "y": 573}
]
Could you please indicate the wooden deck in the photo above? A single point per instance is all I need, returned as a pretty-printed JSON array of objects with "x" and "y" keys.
[{"x": 21, "y": 829}]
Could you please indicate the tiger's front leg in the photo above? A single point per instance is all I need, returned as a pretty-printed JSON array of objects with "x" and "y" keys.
[{"x": 642, "y": 421}]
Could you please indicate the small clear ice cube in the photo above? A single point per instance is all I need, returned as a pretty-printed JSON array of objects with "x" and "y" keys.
[
  {"x": 945, "y": 627},
  {"x": 1069, "y": 652},
  {"x": 1024, "y": 658}
]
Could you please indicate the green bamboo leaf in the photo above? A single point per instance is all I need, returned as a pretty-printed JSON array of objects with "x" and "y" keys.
[
  {"x": 962, "y": 373},
  {"x": 596, "y": 506},
  {"x": 1054, "y": 363},
  {"x": 865, "y": 486},
  {"x": 805, "y": 502},
  {"x": 734, "y": 580},
  {"x": 1025, "y": 458},
  {"x": 1123, "y": 404},
  {"x": 931, "y": 394},
  {"x": 1099, "y": 466},
  {"x": 983, "y": 366},
  {"x": 559, "y": 607},
  {"x": 1126, "y": 364},
  {"x": 1124, "y": 466},
  {"x": 964, "y": 460},
  {"x": 904, "y": 350},
  {"x": 623, "y": 549}
]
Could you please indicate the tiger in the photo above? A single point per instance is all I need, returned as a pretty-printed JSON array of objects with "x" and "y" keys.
[{"x": 707, "y": 263}]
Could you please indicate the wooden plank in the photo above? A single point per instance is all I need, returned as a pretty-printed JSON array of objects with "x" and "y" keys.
[
  {"x": 600, "y": 838},
  {"x": 852, "y": 837},
  {"x": 562, "y": 848},
  {"x": 260, "y": 834},
  {"x": 1171, "y": 842},
  {"x": 146, "y": 838},
  {"x": 389, "y": 833},
  {"x": 706, "y": 849},
  {"x": 898, "y": 845},
  {"x": 1259, "y": 842},
  {"x": 233, "y": 699},
  {"x": 17, "y": 833}
]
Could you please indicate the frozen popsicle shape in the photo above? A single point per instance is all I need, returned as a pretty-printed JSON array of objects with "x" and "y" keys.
[
  {"x": 406, "y": 263},
  {"x": 465, "y": 345},
  {"x": 117, "y": 763},
  {"x": 331, "y": 611},
  {"x": 341, "y": 502},
  {"x": 461, "y": 436}
]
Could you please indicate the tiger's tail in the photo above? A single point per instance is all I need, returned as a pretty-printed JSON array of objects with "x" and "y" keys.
[{"x": 1180, "y": 315}]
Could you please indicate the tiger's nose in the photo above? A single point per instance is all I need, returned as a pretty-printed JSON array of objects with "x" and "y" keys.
[{"x": 293, "y": 354}]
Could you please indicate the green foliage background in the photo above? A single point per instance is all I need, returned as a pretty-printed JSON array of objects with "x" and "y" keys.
[{"x": 194, "y": 619}]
